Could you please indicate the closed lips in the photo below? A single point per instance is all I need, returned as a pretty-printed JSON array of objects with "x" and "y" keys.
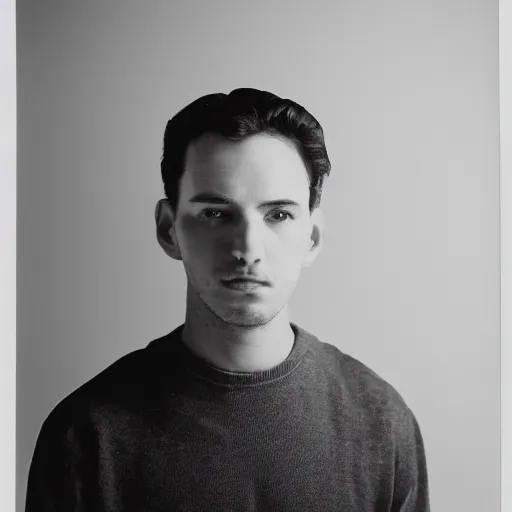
[{"x": 243, "y": 280}]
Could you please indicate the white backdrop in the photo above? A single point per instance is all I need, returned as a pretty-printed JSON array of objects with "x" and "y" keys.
[{"x": 409, "y": 281}]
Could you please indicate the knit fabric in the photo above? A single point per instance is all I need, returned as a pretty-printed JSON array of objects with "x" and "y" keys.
[{"x": 162, "y": 430}]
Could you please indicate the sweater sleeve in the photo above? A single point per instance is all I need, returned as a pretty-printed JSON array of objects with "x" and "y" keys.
[
  {"x": 411, "y": 489},
  {"x": 55, "y": 474}
]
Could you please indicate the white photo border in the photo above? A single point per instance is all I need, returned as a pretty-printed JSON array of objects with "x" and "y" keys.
[
  {"x": 505, "y": 65},
  {"x": 8, "y": 250},
  {"x": 8, "y": 253}
]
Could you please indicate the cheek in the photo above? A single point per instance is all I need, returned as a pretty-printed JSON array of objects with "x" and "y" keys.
[
  {"x": 196, "y": 244},
  {"x": 288, "y": 255}
]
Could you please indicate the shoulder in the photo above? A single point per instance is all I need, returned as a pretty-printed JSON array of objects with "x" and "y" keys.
[
  {"x": 359, "y": 386},
  {"x": 124, "y": 387}
]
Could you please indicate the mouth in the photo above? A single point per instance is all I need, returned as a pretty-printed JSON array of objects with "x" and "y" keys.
[{"x": 244, "y": 284}]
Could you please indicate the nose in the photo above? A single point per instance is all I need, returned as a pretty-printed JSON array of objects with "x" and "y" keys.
[{"x": 248, "y": 241}]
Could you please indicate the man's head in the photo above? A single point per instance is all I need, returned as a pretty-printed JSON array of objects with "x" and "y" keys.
[{"x": 242, "y": 175}]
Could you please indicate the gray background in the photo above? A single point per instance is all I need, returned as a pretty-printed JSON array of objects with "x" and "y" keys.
[{"x": 409, "y": 280}]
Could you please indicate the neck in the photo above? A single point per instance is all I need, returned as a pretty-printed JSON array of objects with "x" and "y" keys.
[{"x": 237, "y": 348}]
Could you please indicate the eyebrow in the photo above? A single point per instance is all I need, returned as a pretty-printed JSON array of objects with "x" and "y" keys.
[{"x": 218, "y": 199}]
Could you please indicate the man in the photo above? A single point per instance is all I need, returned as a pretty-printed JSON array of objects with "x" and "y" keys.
[{"x": 238, "y": 409}]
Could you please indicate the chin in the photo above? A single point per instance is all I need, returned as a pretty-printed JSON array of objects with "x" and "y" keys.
[
  {"x": 247, "y": 322},
  {"x": 238, "y": 312},
  {"x": 249, "y": 316},
  {"x": 244, "y": 316}
]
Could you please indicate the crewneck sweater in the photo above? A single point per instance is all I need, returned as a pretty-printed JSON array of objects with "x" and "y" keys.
[{"x": 162, "y": 430}]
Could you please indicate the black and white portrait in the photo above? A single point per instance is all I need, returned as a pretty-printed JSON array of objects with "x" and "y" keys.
[{"x": 258, "y": 256}]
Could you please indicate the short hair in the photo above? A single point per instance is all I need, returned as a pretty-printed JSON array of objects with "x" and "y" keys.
[{"x": 237, "y": 115}]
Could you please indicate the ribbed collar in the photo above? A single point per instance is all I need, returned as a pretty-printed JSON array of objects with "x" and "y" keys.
[{"x": 203, "y": 370}]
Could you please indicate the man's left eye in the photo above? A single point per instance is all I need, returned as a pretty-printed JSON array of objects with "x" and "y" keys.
[{"x": 280, "y": 215}]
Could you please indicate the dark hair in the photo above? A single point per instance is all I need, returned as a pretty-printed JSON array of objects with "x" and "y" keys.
[{"x": 235, "y": 116}]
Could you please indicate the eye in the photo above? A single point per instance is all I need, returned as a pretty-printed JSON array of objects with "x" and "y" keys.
[
  {"x": 280, "y": 215},
  {"x": 212, "y": 214}
]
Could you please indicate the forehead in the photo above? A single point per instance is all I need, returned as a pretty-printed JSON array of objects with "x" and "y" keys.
[{"x": 259, "y": 167}]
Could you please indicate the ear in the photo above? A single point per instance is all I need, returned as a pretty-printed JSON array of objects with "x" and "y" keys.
[
  {"x": 316, "y": 237},
  {"x": 166, "y": 229}
]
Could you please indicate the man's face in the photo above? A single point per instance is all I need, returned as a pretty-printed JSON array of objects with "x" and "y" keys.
[{"x": 247, "y": 199}]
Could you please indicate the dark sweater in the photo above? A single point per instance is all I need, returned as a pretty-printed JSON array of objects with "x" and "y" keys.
[{"x": 161, "y": 430}]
